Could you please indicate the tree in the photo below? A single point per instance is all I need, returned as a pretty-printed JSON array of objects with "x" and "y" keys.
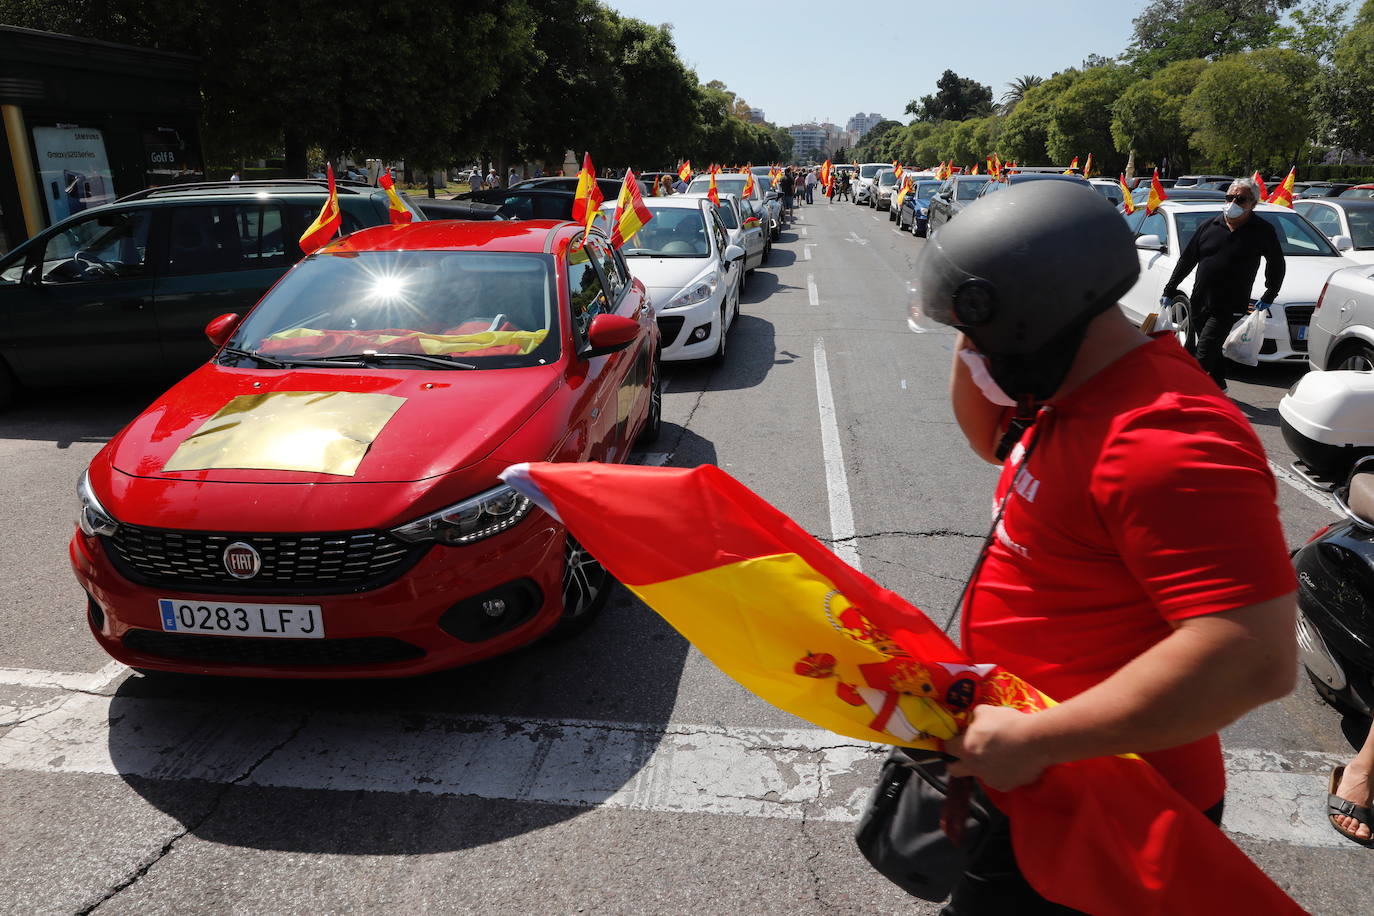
[
  {"x": 873, "y": 147},
  {"x": 1081, "y": 119},
  {"x": 1170, "y": 30},
  {"x": 1026, "y": 130},
  {"x": 1316, "y": 28},
  {"x": 956, "y": 98},
  {"x": 1147, "y": 120},
  {"x": 1017, "y": 89},
  {"x": 1252, "y": 110},
  {"x": 1347, "y": 92}
]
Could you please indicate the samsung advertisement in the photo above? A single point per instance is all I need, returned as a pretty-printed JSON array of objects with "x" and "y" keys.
[{"x": 73, "y": 169}]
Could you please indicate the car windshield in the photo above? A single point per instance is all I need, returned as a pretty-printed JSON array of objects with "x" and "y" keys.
[
  {"x": 489, "y": 310},
  {"x": 733, "y": 184},
  {"x": 924, "y": 189},
  {"x": 1357, "y": 193},
  {"x": 1361, "y": 227},
  {"x": 868, "y": 171},
  {"x": 968, "y": 190},
  {"x": 887, "y": 179},
  {"x": 1297, "y": 237},
  {"x": 674, "y": 232},
  {"x": 1110, "y": 191}
]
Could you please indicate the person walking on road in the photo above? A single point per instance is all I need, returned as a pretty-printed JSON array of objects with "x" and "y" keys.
[
  {"x": 1113, "y": 579},
  {"x": 513, "y": 178},
  {"x": 1352, "y": 795},
  {"x": 1226, "y": 251},
  {"x": 788, "y": 186},
  {"x": 810, "y": 184}
]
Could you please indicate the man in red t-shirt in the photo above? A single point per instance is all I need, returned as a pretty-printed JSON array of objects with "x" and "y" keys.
[{"x": 1138, "y": 573}]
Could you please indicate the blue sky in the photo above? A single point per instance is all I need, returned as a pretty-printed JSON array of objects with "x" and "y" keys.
[{"x": 844, "y": 58}]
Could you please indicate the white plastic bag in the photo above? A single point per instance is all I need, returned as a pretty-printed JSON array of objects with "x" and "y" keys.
[
  {"x": 1165, "y": 321},
  {"x": 1243, "y": 343}
]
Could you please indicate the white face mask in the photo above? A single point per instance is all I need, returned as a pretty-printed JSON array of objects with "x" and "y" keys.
[
  {"x": 978, "y": 368},
  {"x": 1234, "y": 210}
]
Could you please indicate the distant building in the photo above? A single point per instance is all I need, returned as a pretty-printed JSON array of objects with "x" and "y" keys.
[
  {"x": 806, "y": 138},
  {"x": 862, "y": 123},
  {"x": 756, "y": 116}
]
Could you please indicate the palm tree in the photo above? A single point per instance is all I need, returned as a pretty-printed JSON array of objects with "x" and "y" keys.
[{"x": 1017, "y": 89}]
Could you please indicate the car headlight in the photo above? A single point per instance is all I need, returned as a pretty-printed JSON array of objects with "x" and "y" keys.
[
  {"x": 695, "y": 293},
  {"x": 91, "y": 516},
  {"x": 921, "y": 212},
  {"x": 470, "y": 520}
]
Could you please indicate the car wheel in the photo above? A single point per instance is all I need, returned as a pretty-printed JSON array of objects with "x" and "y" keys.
[
  {"x": 1182, "y": 319},
  {"x": 586, "y": 586},
  {"x": 719, "y": 355},
  {"x": 653, "y": 423},
  {"x": 1354, "y": 355},
  {"x": 767, "y": 251}
]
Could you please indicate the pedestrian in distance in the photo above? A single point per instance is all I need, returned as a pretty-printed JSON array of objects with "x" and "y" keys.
[
  {"x": 235, "y": 176},
  {"x": 810, "y": 185},
  {"x": 491, "y": 178},
  {"x": 1112, "y": 579},
  {"x": 788, "y": 186},
  {"x": 475, "y": 180},
  {"x": 513, "y": 178},
  {"x": 681, "y": 186},
  {"x": 1226, "y": 251}
]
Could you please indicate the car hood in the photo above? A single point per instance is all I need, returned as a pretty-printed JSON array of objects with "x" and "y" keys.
[
  {"x": 425, "y": 424},
  {"x": 666, "y": 273},
  {"x": 1303, "y": 278}
]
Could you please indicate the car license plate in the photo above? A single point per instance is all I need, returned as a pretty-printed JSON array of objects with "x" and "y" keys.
[
  {"x": 287, "y": 621},
  {"x": 1302, "y": 332}
]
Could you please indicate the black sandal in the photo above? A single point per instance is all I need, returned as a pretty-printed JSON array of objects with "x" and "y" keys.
[{"x": 1335, "y": 805}]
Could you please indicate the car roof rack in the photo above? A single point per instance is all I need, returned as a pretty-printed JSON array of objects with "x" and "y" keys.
[{"x": 285, "y": 184}]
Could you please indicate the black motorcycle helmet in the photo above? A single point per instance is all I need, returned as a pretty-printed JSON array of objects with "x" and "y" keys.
[{"x": 1022, "y": 271}]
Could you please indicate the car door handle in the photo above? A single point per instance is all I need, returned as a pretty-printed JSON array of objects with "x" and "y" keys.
[{"x": 130, "y": 305}]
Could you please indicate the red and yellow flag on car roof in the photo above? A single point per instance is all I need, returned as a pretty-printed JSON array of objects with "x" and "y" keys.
[
  {"x": 630, "y": 211},
  {"x": 1088, "y": 166},
  {"x": 1127, "y": 202},
  {"x": 712, "y": 193},
  {"x": 395, "y": 207},
  {"x": 685, "y": 173},
  {"x": 588, "y": 196},
  {"x": 1283, "y": 194},
  {"x": 327, "y": 223},
  {"x": 1157, "y": 195},
  {"x": 1072, "y": 165},
  {"x": 782, "y": 615},
  {"x": 748, "y": 191},
  {"x": 1259, "y": 182}
]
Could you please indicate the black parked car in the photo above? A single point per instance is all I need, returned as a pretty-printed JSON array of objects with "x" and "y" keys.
[
  {"x": 954, "y": 195},
  {"x": 125, "y": 290},
  {"x": 514, "y": 203}
]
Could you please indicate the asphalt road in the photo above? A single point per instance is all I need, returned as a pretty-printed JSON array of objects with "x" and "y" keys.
[{"x": 618, "y": 772}]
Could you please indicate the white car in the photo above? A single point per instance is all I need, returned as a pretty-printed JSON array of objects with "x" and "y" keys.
[
  {"x": 733, "y": 183},
  {"x": 884, "y": 186},
  {"x": 684, "y": 258},
  {"x": 1109, "y": 188},
  {"x": 745, "y": 227},
  {"x": 1308, "y": 257},
  {"x": 862, "y": 185},
  {"x": 1342, "y": 331},
  {"x": 1349, "y": 224}
]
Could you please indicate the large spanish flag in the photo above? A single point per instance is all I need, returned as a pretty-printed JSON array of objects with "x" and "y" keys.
[
  {"x": 327, "y": 223},
  {"x": 630, "y": 212},
  {"x": 782, "y": 615}
]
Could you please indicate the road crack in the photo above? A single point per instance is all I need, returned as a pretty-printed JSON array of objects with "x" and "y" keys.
[
  {"x": 932, "y": 533},
  {"x": 210, "y": 812}
]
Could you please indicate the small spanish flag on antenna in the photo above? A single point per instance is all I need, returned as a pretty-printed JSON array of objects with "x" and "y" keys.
[
  {"x": 630, "y": 212},
  {"x": 327, "y": 223},
  {"x": 685, "y": 173},
  {"x": 395, "y": 207}
]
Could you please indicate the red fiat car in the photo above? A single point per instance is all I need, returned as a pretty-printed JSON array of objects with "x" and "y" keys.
[{"x": 321, "y": 498}]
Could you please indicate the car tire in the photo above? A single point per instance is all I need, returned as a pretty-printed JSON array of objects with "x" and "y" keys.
[
  {"x": 1353, "y": 354},
  {"x": 719, "y": 356},
  {"x": 9, "y": 388},
  {"x": 767, "y": 250},
  {"x": 586, "y": 587},
  {"x": 653, "y": 423},
  {"x": 1182, "y": 317}
]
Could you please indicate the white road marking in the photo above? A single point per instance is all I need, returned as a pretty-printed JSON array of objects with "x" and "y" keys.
[
  {"x": 702, "y": 769},
  {"x": 61, "y": 680},
  {"x": 836, "y": 481},
  {"x": 803, "y": 232},
  {"x": 1293, "y": 480},
  {"x": 806, "y": 252},
  {"x": 856, "y": 238},
  {"x": 812, "y": 293},
  {"x": 904, "y": 384}
]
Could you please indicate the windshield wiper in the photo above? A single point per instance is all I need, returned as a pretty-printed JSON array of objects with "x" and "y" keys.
[
  {"x": 370, "y": 356},
  {"x": 252, "y": 354}
]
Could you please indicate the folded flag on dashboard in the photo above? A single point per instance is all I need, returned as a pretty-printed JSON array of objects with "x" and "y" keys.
[
  {"x": 327, "y": 223},
  {"x": 630, "y": 212},
  {"x": 782, "y": 615},
  {"x": 395, "y": 207}
]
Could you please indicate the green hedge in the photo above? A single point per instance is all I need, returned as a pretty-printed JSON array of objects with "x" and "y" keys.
[{"x": 1336, "y": 172}]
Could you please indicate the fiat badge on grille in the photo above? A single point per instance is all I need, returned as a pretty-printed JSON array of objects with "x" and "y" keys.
[{"x": 242, "y": 561}]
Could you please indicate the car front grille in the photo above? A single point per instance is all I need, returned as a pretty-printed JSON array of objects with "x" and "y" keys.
[
  {"x": 1299, "y": 316},
  {"x": 669, "y": 326},
  {"x": 291, "y": 563},
  {"x": 241, "y": 650}
]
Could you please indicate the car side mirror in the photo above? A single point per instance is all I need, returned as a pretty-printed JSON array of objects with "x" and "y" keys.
[
  {"x": 219, "y": 329},
  {"x": 32, "y": 275},
  {"x": 1343, "y": 243},
  {"x": 1149, "y": 242},
  {"x": 609, "y": 334},
  {"x": 733, "y": 252}
]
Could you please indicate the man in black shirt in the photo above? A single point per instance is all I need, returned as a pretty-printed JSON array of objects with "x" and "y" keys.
[{"x": 1226, "y": 251}]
